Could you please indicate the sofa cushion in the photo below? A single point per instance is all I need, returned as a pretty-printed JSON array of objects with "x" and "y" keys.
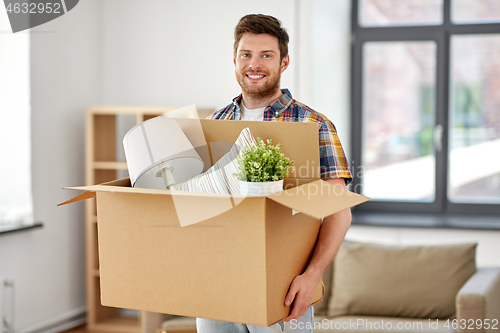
[
  {"x": 322, "y": 307},
  {"x": 412, "y": 281}
]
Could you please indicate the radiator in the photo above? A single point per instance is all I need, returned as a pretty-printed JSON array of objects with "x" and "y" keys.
[{"x": 6, "y": 325}]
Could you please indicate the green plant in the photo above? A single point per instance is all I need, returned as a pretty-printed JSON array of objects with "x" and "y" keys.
[{"x": 263, "y": 162}]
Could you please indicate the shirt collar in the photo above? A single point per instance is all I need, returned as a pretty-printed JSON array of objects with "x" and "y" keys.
[{"x": 272, "y": 111}]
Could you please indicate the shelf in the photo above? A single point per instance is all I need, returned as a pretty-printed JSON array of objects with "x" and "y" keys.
[
  {"x": 133, "y": 110},
  {"x": 104, "y": 162},
  {"x": 104, "y": 165},
  {"x": 144, "y": 112},
  {"x": 103, "y": 176}
]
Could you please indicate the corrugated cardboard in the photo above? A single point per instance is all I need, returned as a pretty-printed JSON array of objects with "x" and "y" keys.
[{"x": 236, "y": 258}]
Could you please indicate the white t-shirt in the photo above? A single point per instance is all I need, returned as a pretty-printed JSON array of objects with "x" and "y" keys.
[{"x": 254, "y": 115}]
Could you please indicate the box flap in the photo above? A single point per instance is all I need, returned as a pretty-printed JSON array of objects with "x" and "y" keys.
[
  {"x": 90, "y": 193},
  {"x": 318, "y": 199},
  {"x": 121, "y": 189},
  {"x": 82, "y": 196}
]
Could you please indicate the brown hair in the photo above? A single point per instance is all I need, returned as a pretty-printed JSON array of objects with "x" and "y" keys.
[{"x": 262, "y": 24}]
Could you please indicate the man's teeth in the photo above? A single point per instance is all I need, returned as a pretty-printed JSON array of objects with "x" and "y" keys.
[{"x": 255, "y": 76}]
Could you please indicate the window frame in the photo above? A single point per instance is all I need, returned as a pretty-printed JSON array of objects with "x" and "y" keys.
[{"x": 440, "y": 34}]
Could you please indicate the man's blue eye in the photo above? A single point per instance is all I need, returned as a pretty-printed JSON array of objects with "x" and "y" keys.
[{"x": 267, "y": 56}]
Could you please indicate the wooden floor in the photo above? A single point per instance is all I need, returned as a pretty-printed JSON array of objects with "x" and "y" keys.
[{"x": 83, "y": 329}]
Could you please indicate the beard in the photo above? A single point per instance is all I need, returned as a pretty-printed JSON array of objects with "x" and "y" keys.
[{"x": 261, "y": 90}]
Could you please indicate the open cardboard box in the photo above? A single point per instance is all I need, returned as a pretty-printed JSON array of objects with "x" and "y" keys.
[{"x": 236, "y": 256}]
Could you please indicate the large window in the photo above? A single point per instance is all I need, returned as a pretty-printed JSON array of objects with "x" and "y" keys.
[
  {"x": 16, "y": 207},
  {"x": 426, "y": 105}
]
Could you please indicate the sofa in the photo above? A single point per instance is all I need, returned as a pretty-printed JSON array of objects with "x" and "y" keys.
[{"x": 378, "y": 288}]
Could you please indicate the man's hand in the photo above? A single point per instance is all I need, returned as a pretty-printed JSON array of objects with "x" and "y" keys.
[{"x": 300, "y": 294}]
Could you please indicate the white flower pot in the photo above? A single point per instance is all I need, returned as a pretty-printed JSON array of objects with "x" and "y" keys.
[{"x": 260, "y": 189}]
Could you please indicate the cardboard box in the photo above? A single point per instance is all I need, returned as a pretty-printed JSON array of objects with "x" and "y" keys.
[{"x": 236, "y": 258}]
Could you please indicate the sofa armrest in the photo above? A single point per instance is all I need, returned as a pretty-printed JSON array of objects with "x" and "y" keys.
[
  {"x": 151, "y": 321},
  {"x": 479, "y": 298}
]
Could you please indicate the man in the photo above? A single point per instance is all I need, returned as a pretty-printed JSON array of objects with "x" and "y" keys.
[{"x": 260, "y": 56}]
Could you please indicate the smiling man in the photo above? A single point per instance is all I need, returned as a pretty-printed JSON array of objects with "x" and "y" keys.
[
  {"x": 260, "y": 56},
  {"x": 258, "y": 67}
]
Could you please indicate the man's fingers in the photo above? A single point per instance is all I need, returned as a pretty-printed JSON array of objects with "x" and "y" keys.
[
  {"x": 300, "y": 297},
  {"x": 297, "y": 312},
  {"x": 290, "y": 296}
]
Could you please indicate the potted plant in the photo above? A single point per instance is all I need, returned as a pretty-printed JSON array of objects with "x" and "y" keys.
[{"x": 262, "y": 168}]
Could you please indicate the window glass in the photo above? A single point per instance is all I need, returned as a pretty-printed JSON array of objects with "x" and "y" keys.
[
  {"x": 474, "y": 138},
  {"x": 475, "y": 11},
  {"x": 398, "y": 120},
  {"x": 373, "y": 13},
  {"x": 15, "y": 138}
]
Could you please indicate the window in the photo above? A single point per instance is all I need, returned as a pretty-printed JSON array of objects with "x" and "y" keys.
[
  {"x": 474, "y": 122},
  {"x": 15, "y": 155},
  {"x": 425, "y": 105}
]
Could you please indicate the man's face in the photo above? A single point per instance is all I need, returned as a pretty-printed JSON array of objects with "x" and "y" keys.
[{"x": 258, "y": 66}]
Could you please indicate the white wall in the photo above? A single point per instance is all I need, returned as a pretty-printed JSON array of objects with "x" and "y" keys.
[
  {"x": 165, "y": 53},
  {"x": 144, "y": 62},
  {"x": 323, "y": 73},
  {"x": 47, "y": 264},
  {"x": 176, "y": 53}
]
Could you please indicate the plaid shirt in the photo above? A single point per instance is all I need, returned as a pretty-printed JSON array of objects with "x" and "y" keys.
[{"x": 334, "y": 164}]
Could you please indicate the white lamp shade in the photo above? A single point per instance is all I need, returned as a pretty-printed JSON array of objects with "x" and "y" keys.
[{"x": 155, "y": 141}]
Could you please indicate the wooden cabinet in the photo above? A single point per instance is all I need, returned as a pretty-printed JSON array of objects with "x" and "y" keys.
[{"x": 105, "y": 161}]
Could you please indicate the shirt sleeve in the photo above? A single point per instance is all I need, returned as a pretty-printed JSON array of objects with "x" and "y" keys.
[{"x": 333, "y": 161}]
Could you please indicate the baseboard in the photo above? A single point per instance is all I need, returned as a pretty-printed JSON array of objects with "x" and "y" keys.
[{"x": 59, "y": 323}]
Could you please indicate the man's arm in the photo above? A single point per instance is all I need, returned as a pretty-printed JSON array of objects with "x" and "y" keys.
[{"x": 330, "y": 238}]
